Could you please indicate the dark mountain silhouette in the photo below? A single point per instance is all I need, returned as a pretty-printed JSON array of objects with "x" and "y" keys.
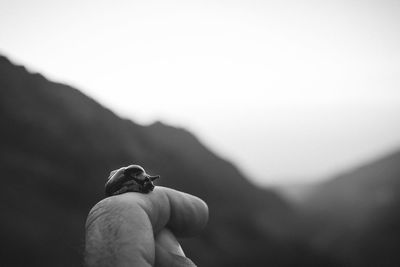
[
  {"x": 57, "y": 147},
  {"x": 356, "y": 215}
]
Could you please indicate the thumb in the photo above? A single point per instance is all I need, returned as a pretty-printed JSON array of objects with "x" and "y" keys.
[{"x": 169, "y": 252}]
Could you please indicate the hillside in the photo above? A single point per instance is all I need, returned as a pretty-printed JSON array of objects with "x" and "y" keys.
[
  {"x": 355, "y": 216},
  {"x": 57, "y": 146}
]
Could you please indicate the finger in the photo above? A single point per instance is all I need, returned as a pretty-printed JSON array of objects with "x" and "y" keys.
[
  {"x": 169, "y": 253},
  {"x": 166, "y": 259},
  {"x": 118, "y": 235},
  {"x": 168, "y": 241},
  {"x": 188, "y": 214},
  {"x": 184, "y": 214}
]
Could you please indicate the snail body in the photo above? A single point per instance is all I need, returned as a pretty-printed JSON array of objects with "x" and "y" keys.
[{"x": 132, "y": 178}]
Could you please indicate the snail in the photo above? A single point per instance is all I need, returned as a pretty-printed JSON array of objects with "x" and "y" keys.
[{"x": 129, "y": 179}]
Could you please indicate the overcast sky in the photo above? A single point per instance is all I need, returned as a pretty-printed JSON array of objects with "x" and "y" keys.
[{"x": 290, "y": 91}]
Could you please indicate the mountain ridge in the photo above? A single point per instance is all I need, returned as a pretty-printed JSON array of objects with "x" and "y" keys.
[
  {"x": 57, "y": 149},
  {"x": 58, "y": 146},
  {"x": 358, "y": 208}
]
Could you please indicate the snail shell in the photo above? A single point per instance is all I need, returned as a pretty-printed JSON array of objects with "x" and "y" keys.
[{"x": 129, "y": 179}]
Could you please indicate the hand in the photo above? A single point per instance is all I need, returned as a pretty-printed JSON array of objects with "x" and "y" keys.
[{"x": 135, "y": 229}]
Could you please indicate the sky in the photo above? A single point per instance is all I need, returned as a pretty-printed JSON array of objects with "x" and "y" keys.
[{"x": 290, "y": 91}]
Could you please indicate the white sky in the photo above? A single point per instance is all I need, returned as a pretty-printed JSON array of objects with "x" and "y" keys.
[{"x": 291, "y": 91}]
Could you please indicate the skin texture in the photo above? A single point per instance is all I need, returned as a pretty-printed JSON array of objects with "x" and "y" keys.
[{"x": 135, "y": 229}]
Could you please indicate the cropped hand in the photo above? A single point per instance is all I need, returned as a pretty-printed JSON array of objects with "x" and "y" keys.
[{"x": 135, "y": 229}]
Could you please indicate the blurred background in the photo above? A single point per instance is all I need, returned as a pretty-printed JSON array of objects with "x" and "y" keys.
[{"x": 282, "y": 115}]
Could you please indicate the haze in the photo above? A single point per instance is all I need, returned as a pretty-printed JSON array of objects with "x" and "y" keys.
[{"x": 290, "y": 91}]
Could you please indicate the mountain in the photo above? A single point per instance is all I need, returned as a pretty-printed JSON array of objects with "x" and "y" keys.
[
  {"x": 57, "y": 147},
  {"x": 355, "y": 216}
]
